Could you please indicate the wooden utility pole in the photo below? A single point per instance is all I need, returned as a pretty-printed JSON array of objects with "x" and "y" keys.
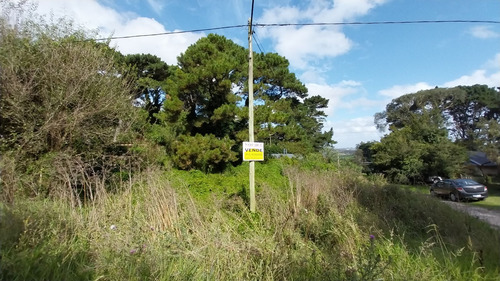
[{"x": 250, "y": 113}]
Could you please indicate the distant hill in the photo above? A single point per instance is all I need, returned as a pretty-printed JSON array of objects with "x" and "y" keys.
[{"x": 346, "y": 151}]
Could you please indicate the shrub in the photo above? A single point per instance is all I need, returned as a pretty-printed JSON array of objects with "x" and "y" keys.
[
  {"x": 206, "y": 153},
  {"x": 62, "y": 98}
]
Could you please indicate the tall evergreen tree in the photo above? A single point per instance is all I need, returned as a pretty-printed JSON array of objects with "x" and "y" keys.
[
  {"x": 150, "y": 73},
  {"x": 208, "y": 95}
]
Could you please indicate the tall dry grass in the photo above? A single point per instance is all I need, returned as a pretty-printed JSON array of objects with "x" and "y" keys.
[{"x": 313, "y": 228}]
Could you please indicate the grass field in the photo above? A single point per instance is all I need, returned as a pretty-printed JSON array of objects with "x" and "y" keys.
[
  {"x": 492, "y": 202},
  {"x": 329, "y": 223}
]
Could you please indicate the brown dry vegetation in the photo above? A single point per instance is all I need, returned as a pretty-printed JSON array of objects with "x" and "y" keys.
[{"x": 317, "y": 226}]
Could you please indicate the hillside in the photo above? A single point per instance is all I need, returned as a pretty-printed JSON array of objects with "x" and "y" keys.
[
  {"x": 123, "y": 167},
  {"x": 315, "y": 221}
]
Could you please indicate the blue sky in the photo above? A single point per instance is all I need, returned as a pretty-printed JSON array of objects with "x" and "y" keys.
[{"x": 359, "y": 68}]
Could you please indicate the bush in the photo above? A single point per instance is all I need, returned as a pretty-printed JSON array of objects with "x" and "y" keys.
[
  {"x": 310, "y": 225},
  {"x": 63, "y": 104},
  {"x": 206, "y": 153}
]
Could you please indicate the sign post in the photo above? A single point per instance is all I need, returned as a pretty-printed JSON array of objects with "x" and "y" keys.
[
  {"x": 253, "y": 151},
  {"x": 251, "y": 171}
]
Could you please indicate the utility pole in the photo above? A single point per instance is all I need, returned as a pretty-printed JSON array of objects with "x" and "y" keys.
[{"x": 250, "y": 113}]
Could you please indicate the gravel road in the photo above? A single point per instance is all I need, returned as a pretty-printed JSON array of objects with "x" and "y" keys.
[{"x": 490, "y": 216}]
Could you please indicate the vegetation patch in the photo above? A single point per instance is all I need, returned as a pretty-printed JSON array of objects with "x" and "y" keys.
[{"x": 118, "y": 167}]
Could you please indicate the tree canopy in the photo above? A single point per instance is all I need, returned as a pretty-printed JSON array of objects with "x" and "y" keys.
[
  {"x": 466, "y": 111},
  {"x": 61, "y": 92},
  {"x": 417, "y": 151},
  {"x": 431, "y": 130},
  {"x": 64, "y": 103},
  {"x": 205, "y": 86},
  {"x": 149, "y": 72},
  {"x": 207, "y": 95},
  {"x": 58, "y": 93}
]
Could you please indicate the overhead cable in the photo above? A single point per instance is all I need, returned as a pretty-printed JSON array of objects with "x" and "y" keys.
[
  {"x": 259, "y": 45},
  {"x": 171, "y": 32},
  {"x": 299, "y": 24},
  {"x": 375, "y": 22}
]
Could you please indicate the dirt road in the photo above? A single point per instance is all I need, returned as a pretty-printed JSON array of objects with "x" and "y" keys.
[{"x": 490, "y": 216}]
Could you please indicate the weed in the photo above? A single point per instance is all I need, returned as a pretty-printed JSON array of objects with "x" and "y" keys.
[
  {"x": 369, "y": 263},
  {"x": 310, "y": 225}
]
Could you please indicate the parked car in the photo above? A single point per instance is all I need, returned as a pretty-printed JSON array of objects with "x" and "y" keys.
[{"x": 459, "y": 189}]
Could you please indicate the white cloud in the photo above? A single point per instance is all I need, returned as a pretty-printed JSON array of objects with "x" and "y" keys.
[
  {"x": 488, "y": 75},
  {"x": 350, "y": 83},
  {"x": 363, "y": 104},
  {"x": 399, "y": 90},
  {"x": 166, "y": 47},
  {"x": 356, "y": 125},
  {"x": 334, "y": 93},
  {"x": 347, "y": 9},
  {"x": 281, "y": 14},
  {"x": 156, "y": 5},
  {"x": 477, "y": 77},
  {"x": 312, "y": 75},
  {"x": 109, "y": 22},
  {"x": 349, "y": 133},
  {"x": 483, "y": 32},
  {"x": 300, "y": 45},
  {"x": 494, "y": 63},
  {"x": 90, "y": 13}
]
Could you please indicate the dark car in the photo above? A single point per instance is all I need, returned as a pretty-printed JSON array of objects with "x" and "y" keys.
[{"x": 459, "y": 189}]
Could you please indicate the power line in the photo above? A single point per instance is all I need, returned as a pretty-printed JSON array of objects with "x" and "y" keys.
[
  {"x": 171, "y": 32},
  {"x": 258, "y": 43},
  {"x": 375, "y": 23},
  {"x": 298, "y": 24}
]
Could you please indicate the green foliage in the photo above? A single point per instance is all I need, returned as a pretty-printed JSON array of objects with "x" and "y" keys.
[
  {"x": 294, "y": 126},
  {"x": 370, "y": 265},
  {"x": 207, "y": 153},
  {"x": 463, "y": 110},
  {"x": 149, "y": 72},
  {"x": 203, "y": 185},
  {"x": 48, "y": 103},
  {"x": 490, "y": 134},
  {"x": 234, "y": 180},
  {"x": 472, "y": 106},
  {"x": 316, "y": 161},
  {"x": 311, "y": 225},
  {"x": 63, "y": 107},
  {"x": 68, "y": 131},
  {"x": 416, "y": 151},
  {"x": 39, "y": 243},
  {"x": 364, "y": 156},
  {"x": 274, "y": 80},
  {"x": 207, "y": 94},
  {"x": 204, "y": 82},
  {"x": 421, "y": 124},
  {"x": 462, "y": 242}
]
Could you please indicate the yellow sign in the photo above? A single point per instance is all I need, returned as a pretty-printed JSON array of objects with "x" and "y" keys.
[{"x": 253, "y": 151}]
